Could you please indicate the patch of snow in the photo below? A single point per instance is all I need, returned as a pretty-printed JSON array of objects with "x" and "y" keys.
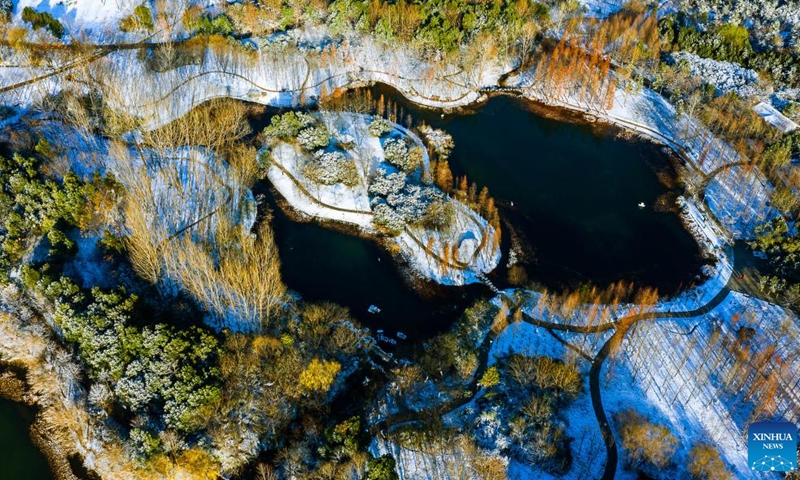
[
  {"x": 774, "y": 117},
  {"x": 95, "y": 18},
  {"x": 88, "y": 265},
  {"x": 601, "y": 8},
  {"x": 524, "y": 339},
  {"x": 724, "y": 76}
]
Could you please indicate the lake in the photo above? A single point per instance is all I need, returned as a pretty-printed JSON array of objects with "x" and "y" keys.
[
  {"x": 21, "y": 460},
  {"x": 569, "y": 194},
  {"x": 572, "y": 195}
]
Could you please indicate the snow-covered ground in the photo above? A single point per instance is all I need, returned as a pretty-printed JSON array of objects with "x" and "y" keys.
[
  {"x": 190, "y": 189},
  {"x": 686, "y": 371},
  {"x": 601, "y": 8},
  {"x": 774, "y": 117}
]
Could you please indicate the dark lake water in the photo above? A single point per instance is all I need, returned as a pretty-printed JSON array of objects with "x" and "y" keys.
[
  {"x": 323, "y": 264},
  {"x": 575, "y": 194},
  {"x": 20, "y": 459},
  {"x": 569, "y": 191}
]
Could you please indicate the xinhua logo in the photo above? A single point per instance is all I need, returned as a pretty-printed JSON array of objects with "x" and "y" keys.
[{"x": 772, "y": 447}]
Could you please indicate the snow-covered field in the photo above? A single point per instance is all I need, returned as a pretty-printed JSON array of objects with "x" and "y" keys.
[
  {"x": 601, "y": 8},
  {"x": 686, "y": 370},
  {"x": 682, "y": 373},
  {"x": 191, "y": 188}
]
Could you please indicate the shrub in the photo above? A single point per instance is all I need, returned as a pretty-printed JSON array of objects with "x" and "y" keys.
[
  {"x": 315, "y": 137},
  {"x": 644, "y": 441},
  {"x": 379, "y": 127},
  {"x": 220, "y": 25},
  {"x": 263, "y": 160},
  {"x": 705, "y": 463},
  {"x": 415, "y": 157},
  {"x": 490, "y": 378},
  {"x": 439, "y": 214},
  {"x": 145, "y": 443},
  {"x": 140, "y": 19},
  {"x": 206, "y": 25},
  {"x": 414, "y": 201},
  {"x": 438, "y": 33},
  {"x": 387, "y": 219},
  {"x": 397, "y": 153},
  {"x": 287, "y": 126},
  {"x": 43, "y": 20},
  {"x": 736, "y": 39},
  {"x": 344, "y": 439},
  {"x": 330, "y": 168},
  {"x": 381, "y": 468},
  {"x": 319, "y": 375},
  {"x": 383, "y": 184}
]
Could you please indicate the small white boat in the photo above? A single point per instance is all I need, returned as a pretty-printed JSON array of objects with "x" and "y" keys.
[
  {"x": 374, "y": 309},
  {"x": 641, "y": 204},
  {"x": 401, "y": 335}
]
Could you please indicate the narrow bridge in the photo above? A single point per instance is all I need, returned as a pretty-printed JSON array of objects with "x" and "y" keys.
[
  {"x": 483, "y": 278},
  {"x": 499, "y": 89}
]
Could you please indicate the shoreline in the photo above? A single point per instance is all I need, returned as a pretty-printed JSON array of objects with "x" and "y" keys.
[
  {"x": 14, "y": 388},
  {"x": 414, "y": 281}
]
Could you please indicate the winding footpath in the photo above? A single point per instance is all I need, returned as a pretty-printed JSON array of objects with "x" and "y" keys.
[{"x": 622, "y": 327}]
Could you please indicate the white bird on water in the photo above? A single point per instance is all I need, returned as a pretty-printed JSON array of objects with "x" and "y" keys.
[{"x": 641, "y": 204}]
